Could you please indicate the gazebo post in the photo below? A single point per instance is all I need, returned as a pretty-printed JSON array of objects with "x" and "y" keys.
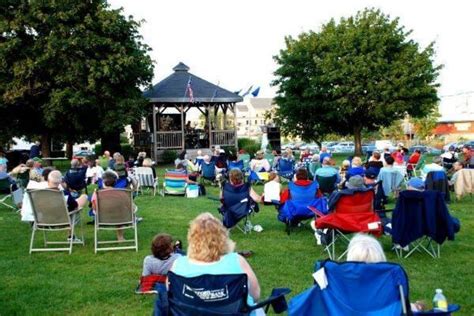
[
  {"x": 153, "y": 138},
  {"x": 234, "y": 108},
  {"x": 181, "y": 110},
  {"x": 208, "y": 116},
  {"x": 224, "y": 110},
  {"x": 215, "y": 115}
]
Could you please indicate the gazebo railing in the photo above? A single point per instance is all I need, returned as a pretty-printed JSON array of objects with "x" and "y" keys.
[
  {"x": 223, "y": 137},
  {"x": 169, "y": 140}
]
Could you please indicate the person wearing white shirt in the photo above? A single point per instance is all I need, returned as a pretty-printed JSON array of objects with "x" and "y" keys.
[
  {"x": 272, "y": 189},
  {"x": 434, "y": 166}
]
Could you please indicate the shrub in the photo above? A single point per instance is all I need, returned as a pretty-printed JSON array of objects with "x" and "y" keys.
[
  {"x": 169, "y": 156},
  {"x": 98, "y": 149},
  {"x": 126, "y": 151},
  {"x": 249, "y": 145}
]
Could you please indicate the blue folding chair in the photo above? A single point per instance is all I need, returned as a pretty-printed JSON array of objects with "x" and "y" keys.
[
  {"x": 298, "y": 207},
  {"x": 198, "y": 162},
  {"x": 422, "y": 220},
  {"x": 239, "y": 164},
  {"x": 354, "y": 288},
  {"x": 212, "y": 295},
  {"x": 208, "y": 172},
  {"x": 237, "y": 205},
  {"x": 438, "y": 181},
  {"x": 286, "y": 168}
]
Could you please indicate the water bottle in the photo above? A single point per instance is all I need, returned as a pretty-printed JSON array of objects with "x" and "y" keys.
[{"x": 439, "y": 301}]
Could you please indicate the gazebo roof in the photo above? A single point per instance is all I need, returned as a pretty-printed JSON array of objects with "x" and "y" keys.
[{"x": 172, "y": 89}]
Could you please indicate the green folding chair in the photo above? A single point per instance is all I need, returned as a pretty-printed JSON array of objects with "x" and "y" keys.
[{"x": 6, "y": 187}]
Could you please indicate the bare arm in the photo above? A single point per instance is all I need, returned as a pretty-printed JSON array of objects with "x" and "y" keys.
[
  {"x": 257, "y": 198},
  {"x": 254, "y": 287}
]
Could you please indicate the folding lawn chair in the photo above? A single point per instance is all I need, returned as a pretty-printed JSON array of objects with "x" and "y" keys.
[
  {"x": 270, "y": 158},
  {"x": 146, "y": 179},
  {"x": 174, "y": 183},
  {"x": 416, "y": 168},
  {"x": 51, "y": 214},
  {"x": 115, "y": 210},
  {"x": 298, "y": 207},
  {"x": 352, "y": 214},
  {"x": 239, "y": 164},
  {"x": 438, "y": 181},
  {"x": 5, "y": 186},
  {"x": 237, "y": 205},
  {"x": 391, "y": 179},
  {"x": 213, "y": 295},
  {"x": 354, "y": 288},
  {"x": 286, "y": 168},
  {"x": 23, "y": 178},
  {"x": 464, "y": 183},
  {"x": 327, "y": 184},
  {"x": 422, "y": 220},
  {"x": 208, "y": 173},
  {"x": 246, "y": 159}
]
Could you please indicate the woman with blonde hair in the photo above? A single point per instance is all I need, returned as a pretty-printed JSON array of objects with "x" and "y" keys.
[
  {"x": 210, "y": 251},
  {"x": 148, "y": 163},
  {"x": 356, "y": 168}
]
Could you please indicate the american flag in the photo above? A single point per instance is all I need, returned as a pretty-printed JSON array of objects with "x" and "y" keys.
[{"x": 189, "y": 91}]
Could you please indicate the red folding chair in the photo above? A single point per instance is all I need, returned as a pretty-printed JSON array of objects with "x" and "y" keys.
[{"x": 352, "y": 214}]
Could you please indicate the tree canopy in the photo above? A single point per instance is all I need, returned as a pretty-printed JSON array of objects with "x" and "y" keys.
[
  {"x": 71, "y": 70},
  {"x": 362, "y": 72}
]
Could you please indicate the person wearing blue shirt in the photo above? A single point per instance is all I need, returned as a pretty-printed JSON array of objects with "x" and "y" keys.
[
  {"x": 35, "y": 150},
  {"x": 4, "y": 175},
  {"x": 356, "y": 168},
  {"x": 327, "y": 170},
  {"x": 323, "y": 154}
]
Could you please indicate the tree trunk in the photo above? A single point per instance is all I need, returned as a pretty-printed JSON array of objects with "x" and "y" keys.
[
  {"x": 110, "y": 142},
  {"x": 69, "y": 150},
  {"x": 358, "y": 141},
  {"x": 319, "y": 143},
  {"x": 46, "y": 147}
]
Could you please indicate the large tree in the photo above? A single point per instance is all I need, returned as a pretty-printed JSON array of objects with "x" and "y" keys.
[
  {"x": 362, "y": 72},
  {"x": 71, "y": 70}
]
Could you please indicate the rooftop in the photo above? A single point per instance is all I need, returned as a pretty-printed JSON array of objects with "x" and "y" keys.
[{"x": 173, "y": 89}]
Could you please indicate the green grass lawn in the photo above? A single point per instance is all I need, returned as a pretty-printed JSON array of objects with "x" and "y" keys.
[{"x": 87, "y": 284}]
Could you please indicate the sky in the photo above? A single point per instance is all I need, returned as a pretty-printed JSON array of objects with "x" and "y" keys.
[{"x": 232, "y": 42}]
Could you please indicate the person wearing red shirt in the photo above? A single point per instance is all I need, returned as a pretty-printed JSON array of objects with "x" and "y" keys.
[{"x": 413, "y": 160}]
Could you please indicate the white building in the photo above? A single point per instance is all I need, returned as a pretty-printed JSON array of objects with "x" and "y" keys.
[
  {"x": 457, "y": 117},
  {"x": 251, "y": 116}
]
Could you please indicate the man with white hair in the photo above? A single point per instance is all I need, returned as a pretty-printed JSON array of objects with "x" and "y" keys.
[
  {"x": 365, "y": 248},
  {"x": 327, "y": 171},
  {"x": 55, "y": 180}
]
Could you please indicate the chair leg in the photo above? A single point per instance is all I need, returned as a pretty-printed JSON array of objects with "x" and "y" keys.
[
  {"x": 32, "y": 238},
  {"x": 136, "y": 234},
  {"x": 82, "y": 232},
  {"x": 95, "y": 236},
  {"x": 73, "y": 225},
  {"x": 333, "y": 241}
]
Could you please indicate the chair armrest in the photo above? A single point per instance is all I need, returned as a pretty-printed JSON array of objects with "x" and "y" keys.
[
  {"x": 316, "y": 211},
  {"x": 276, "y": 299},
  {"x": 77, "y": 210}
]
